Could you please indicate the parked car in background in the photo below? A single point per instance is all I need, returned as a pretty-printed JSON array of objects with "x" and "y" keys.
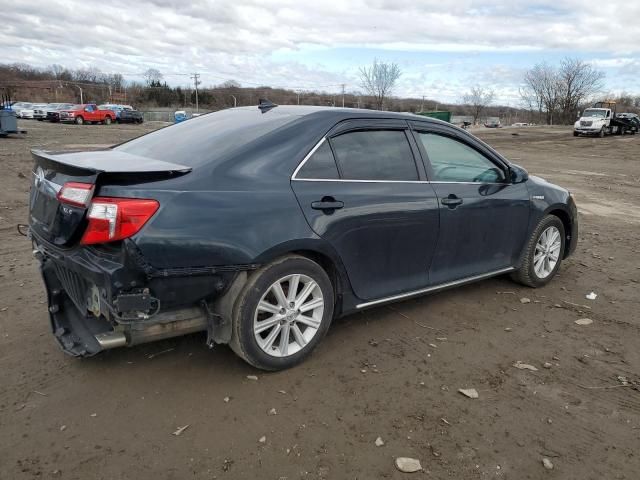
[
  {"x": 87, "y": 113},
  {"x": 130, "y": 115},
  {"x": 261, "y": 225},
  {"x": 124, "y": 113},
  {"x": 26, "y": 111},
  {"x": 19, "y": 106},
  {"x": 40, "y": 110},
  {"x": 53, "y": 114}
]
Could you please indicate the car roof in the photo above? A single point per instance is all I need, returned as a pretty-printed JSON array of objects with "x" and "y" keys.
[{"x": 339, "y": 113}]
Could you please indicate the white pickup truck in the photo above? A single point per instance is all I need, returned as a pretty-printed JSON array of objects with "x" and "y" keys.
[{"x": 594, "y": 121}]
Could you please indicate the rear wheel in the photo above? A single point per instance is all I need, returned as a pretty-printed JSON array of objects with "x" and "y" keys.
[
  {"x": 107, "y": 121},
  {"x": 282, "y": 313},
  {"x": 79, "y": 120},
  {"x": 543, "y": 253}
]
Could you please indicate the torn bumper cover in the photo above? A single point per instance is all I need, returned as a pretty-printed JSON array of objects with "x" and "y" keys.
[{"x": 101, "y": 299}]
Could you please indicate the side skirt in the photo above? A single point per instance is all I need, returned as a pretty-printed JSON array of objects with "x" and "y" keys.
[{"x": 434, "y": 288}]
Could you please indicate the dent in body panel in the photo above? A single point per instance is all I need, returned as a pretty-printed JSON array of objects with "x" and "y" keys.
[{"x": 221, "y": 227}]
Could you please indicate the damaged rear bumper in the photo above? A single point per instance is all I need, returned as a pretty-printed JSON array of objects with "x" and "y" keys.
[{"x": 102, "y": 300}]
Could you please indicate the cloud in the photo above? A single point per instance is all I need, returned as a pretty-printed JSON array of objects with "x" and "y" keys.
[{"x": 239, "y": 40}]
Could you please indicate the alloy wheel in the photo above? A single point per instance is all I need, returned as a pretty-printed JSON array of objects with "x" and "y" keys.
[
  {"x": 547, "y": 252},
  {"x": 288, "y": 315}
]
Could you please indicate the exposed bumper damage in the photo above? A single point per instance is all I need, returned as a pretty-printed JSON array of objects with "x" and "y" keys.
[{"x": 100, "y": 300}]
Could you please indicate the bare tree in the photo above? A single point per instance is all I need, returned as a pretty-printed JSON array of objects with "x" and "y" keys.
[
  {"x": 152, "y": 75},
  {"x": 230, "y": 84},
  {"x": 542, "y": 83},
  {"x": 561, "y": 91},
  {"x": 379, "y": 80},
  {"x": 579, "y": 82},
  {"x": 90, "y": 74},
  {"x": 478, "y": 99}
]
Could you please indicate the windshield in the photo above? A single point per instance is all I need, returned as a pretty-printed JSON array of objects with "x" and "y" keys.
[
  {"x": 199, "y": 140},
  {"x": 590, "y": 112}
]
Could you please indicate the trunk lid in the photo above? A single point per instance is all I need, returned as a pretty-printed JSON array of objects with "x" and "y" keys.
[{"x": 62, "y": 224}]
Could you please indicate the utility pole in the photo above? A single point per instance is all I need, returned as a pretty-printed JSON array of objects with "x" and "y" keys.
[
  {"x": 343, "y": 85},
  {"x": 235, "y": 102},
  {"x": 79, "y": 88},
  {"x": 422, "y": 104},
  {"x": 196, "y": 82}
]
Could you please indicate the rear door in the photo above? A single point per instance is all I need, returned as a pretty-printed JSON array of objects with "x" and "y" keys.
[
  {"x": 362, "y": 190},
  {"x": 483, "y": 216}
]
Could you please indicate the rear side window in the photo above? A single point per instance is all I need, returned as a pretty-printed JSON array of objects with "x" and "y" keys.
[
  {"x": 375, "y": 155},
  {"x": 321, "y": 165}
]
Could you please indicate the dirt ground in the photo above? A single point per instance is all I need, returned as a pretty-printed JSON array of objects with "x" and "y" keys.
[{"x": 391, "y": 372}]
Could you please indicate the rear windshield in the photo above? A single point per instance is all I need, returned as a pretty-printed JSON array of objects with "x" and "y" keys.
[{"x": 199, "y": 140}]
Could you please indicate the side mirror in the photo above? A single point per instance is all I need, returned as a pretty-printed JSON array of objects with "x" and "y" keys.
[{"x": 518, "y": 174}]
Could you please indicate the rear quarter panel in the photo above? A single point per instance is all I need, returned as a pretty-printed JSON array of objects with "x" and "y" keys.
[{"x": 231, "y": 212}]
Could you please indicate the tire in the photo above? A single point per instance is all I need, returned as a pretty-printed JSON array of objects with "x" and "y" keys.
[
  {"x": 79, "y": 120},
  {"x": 527, "y": 274},
  {"x": 575, "y": 134},
  {"x": 259, "y": 290},
  {"x": 107, "y": 120},
  {"x": 601, "y": 133}
]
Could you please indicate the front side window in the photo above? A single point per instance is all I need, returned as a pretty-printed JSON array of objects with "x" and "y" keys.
[
  {"x": 375, "y": 155},
  {"x": 453, "y": 161},
  {"x": 321, "y": 165}
]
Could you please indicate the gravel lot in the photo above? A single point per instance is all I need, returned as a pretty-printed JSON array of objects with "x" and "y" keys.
[{"x": 391, "y": 372}]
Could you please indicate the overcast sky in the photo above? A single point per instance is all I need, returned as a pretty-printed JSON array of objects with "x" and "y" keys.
[{"x": 443, "y": 47}]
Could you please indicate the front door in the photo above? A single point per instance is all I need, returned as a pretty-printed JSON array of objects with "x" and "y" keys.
[
  {"x": 483, "y": 216},
  {"x": 372, "y": 203}
]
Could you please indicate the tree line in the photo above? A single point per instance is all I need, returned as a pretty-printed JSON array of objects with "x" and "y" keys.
[
  {"x": 549, "y": 94},
  {"x": 559, "y": 93}
]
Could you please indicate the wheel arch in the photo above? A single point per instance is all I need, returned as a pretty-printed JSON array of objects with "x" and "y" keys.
[
  {"x": 320, "y": 252},
  {"x": 565, "y": 217}
]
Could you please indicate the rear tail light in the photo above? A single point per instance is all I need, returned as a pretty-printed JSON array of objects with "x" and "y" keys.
[
  {"x": 112, "y": 219},
  {"x": 75, "y": 193}
]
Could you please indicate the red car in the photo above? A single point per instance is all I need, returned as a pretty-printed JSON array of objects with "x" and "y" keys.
[{"x": 87, "y": 113}]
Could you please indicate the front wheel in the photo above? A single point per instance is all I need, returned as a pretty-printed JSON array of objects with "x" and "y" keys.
[
  {"x": 282, "y": 313},
  {"x": 601, "y": 133},
  {"x": 79, "y": 120},
  {"x": 575, "y": 134},
  {"x": 543, "y": 253}
]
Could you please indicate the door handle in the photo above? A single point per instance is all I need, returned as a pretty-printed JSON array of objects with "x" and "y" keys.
[
  {"x": 452, "y": 201},
  {"x": 327, "y": 204}
]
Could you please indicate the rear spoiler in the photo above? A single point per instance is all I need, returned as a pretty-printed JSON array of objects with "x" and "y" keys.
[{"x": 108, "y": 161}]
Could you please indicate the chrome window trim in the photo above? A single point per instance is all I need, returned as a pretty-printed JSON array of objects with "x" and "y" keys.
[
  {"x": 344, "y": 180},
  {"x": 307, "y": 157},
  {"x": 390, "y": 181},
  {"x": 434, "y": 288}
]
